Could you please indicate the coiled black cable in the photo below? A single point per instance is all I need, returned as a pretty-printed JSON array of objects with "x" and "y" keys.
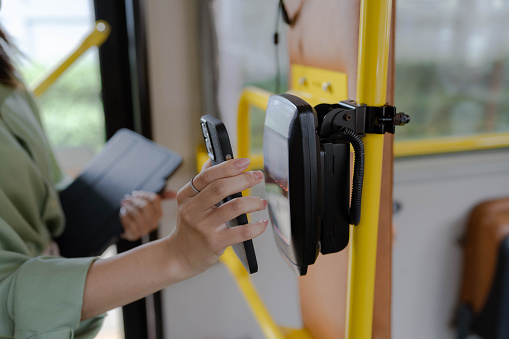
[{"x": 358, "y": 169}]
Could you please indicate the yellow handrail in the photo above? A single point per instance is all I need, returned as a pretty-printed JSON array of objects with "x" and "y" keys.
[
  {"x": 97, "y": 37},
  {"x": 250, "y": 97},
  {"x": 262, "y": 315},
  {"x": 406, "y": 148}
]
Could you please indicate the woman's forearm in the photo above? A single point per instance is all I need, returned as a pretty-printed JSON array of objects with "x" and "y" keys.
[{"x": 129, "y": 276}]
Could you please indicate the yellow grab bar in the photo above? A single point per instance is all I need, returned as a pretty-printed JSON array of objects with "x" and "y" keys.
[
  {"x": 374, "y": 36},
  {"x": 96, "y": 38},
  {"x": 262, "y": 315},
  {"x": 406, "y": 148},
  {"x": 251, "y": 96}
]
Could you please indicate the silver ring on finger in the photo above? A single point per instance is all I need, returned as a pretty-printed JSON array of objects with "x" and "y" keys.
[
  {"x": 192, "y": 185},
  {"x": 123, "y": 211}
]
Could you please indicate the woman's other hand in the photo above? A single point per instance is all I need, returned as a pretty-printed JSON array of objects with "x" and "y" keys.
[
  {"x": 140, "y": 213},
  {"x": 201, "y": 234}
]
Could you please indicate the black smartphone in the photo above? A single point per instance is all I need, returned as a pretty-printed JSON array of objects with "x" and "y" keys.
[{"x": 219, "y": 149}]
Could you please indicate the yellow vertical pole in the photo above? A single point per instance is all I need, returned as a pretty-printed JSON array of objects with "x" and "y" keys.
[{"x": 374, "y": 35}]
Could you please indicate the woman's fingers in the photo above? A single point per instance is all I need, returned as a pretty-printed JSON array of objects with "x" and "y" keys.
[
  {"x": 140, "y": 214},
  {"x": 226, "y": 169},
  {"x": 222, "y": 188},
  {"x": 236, "y": 207},
  {"x": 206, "y": 165},
  {"x": 131, "y": 229},
  {"x": 149, "y": 204},
  {"x": 238, "y": 234}
]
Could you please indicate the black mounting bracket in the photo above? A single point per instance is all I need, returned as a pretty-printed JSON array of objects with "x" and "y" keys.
[
  {"x": 347, "y": 121},
  {"x": 360, "y": 118}
]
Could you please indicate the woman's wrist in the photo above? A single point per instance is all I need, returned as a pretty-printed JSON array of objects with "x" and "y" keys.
[
  {"x": 178, "y": 264},
  {"x": 176, "y": 268}
]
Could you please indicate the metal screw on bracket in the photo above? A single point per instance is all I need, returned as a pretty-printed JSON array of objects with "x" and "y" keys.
[
  {"x": 326, "y": 86},
  {"x": 400, "y": 119}
]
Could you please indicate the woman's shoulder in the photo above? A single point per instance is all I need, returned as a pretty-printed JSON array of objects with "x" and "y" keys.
[{"x": 5, "y": 92}]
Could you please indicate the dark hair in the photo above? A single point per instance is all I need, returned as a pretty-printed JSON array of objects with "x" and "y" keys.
[{"x": 7, "y": 70}]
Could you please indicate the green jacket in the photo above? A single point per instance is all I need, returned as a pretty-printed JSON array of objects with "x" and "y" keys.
[{"x": 40, "y": 296}]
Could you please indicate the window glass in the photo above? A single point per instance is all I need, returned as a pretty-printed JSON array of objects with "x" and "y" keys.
[
  {"x": 452, "y": 67},
  {"x": 46, "y": 32},
  {"x": 248, "y": 57}
]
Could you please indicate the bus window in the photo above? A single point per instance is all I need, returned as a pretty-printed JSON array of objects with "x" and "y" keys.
[
  {"x": 72, "y": 113},
  {"x": 452, "y": 74}
]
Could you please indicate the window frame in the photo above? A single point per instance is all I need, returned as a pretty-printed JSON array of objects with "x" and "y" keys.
[{"x": 126, "y": 99}]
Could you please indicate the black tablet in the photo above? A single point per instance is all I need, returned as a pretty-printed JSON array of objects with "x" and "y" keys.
[{"x": 91, "y": 204}]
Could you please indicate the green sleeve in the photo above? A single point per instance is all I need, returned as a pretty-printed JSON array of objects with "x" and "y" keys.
[
  {"x": 59, "y": 179},
  {"x": 41, "y": 297}
]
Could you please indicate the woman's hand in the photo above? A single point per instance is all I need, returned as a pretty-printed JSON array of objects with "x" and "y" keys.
[
  {"x": 201, "y": 234},
  {"x": 197, "y": 242},
  {"x": 140, "y": 213}
]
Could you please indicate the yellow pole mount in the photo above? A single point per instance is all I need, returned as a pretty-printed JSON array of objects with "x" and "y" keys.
[
  {"x": 374, "y": 37},
  {"x": 349, "y": 121}
]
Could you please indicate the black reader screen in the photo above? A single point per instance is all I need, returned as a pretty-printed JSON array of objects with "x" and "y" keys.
[
  {"x": 276, "y": 182},
  {"x": 275, "y": 154}
]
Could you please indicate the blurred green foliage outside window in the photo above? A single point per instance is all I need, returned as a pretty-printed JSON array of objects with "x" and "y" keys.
[
  {"x": 46, "y": 32},
  {"x": 452, "y": 67}
]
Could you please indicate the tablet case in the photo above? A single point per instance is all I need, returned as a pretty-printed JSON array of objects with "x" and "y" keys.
[{"x": 91, "y": 203}]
